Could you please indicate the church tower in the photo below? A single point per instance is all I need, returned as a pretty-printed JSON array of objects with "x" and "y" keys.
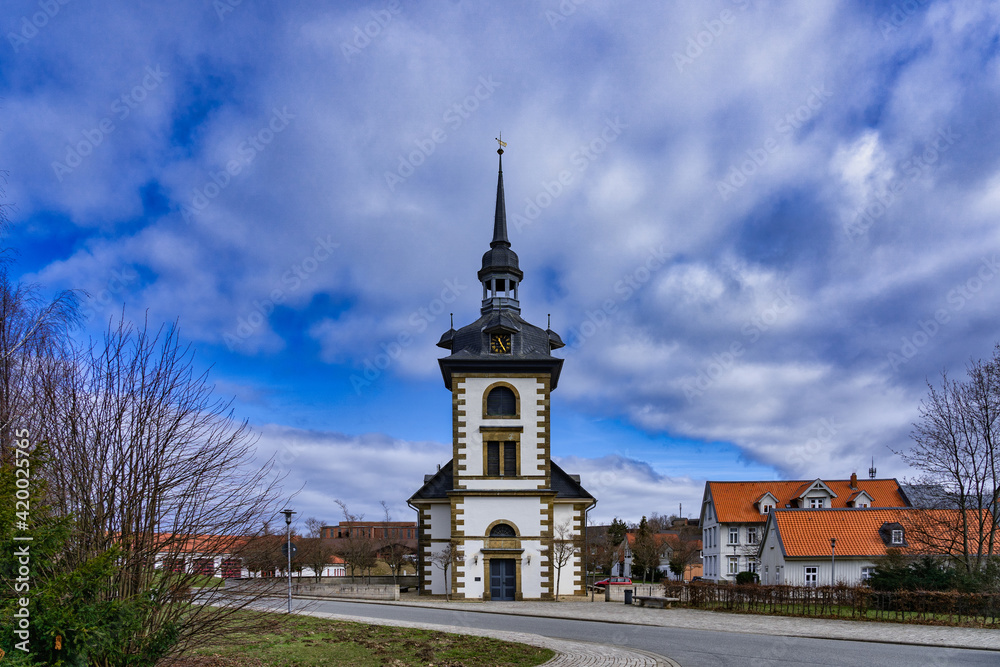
[{"x": 501, "y": 502}]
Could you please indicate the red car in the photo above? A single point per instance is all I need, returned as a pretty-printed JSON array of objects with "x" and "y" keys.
[{"x": 614, "y": 581}]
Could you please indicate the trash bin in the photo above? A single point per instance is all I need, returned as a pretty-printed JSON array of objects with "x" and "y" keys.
[{"x": 628, "y": 595}]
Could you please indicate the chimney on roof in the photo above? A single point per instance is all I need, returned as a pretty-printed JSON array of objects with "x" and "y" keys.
[{"x": 854, "y": 481}]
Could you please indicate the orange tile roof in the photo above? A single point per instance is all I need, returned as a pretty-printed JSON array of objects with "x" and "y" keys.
[
  {"x": 199, "y": 543},
  {"x": 734, "y": 501},
  {"x": 807, "y": 532}
]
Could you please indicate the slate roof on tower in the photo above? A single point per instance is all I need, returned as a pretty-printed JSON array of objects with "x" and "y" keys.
[
  {"x": 440, "y": 483},
  {"x": 531, "y": 346}
]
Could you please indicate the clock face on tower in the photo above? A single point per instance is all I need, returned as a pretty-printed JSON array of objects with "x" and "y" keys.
[{"x": 500, "y": 343}]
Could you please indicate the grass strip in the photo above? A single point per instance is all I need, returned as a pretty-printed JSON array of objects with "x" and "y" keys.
[{"x": 303, "y": 641}]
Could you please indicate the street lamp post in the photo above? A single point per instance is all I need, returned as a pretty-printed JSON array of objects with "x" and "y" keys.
[
  {"x": 288, "y": 547},
  {"x": 833, "y": 558}
]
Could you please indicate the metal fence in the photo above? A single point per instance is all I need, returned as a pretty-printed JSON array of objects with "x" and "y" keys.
[{"x": 858, "y": 602}]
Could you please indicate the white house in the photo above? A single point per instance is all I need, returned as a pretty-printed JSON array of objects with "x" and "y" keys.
[
  {"x": 733, "y": 514},
  {"x": 810, "y": 547},
  {"x": 501, "y": 501}
]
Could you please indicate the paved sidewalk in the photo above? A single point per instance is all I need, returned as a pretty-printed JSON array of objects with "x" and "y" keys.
[
  {"x": 694, "y": 619},
  {"x": 568, "y": 653}
]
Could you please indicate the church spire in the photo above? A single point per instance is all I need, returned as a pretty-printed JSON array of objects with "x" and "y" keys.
[
  {"x": 500, "y": 274},
  {"x": 500, "y": 216}
]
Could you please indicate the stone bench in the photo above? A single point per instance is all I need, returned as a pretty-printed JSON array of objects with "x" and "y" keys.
[{"x": 662, "y": 603}]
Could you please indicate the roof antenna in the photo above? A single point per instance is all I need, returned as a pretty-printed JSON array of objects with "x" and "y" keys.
[
  {"x": 872, "y": 471},
  {"x": 549, "y": 325},
  {"x": 452, "y": 320}
]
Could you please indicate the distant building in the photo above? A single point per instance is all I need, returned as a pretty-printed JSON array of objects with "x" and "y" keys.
[
  {"x": 402, "y": 531},
  {"x": 733, "y": 514}
]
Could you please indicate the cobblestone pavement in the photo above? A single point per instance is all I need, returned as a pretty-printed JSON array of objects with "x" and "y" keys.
[
  {"x": 788, "y": 626},
  {"x": 568, "y": 653}
]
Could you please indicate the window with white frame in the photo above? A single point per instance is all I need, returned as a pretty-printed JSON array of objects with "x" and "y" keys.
[
  {"x": 734, "y": 535},
  {"x": 751, "y": 565},
  {"x": 766, "y": 508},
  {"x": 816, "y": 503},
  {"x": 751, "y": 536},
  {"x": 734, "y": 564},
  {"x": 810, "y": 576},
  {"x": 866, "y": 573},
  {"x": 897, "y": 536}
]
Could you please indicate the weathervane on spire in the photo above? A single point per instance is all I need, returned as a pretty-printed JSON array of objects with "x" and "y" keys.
[{"x": 503, "y": 144}]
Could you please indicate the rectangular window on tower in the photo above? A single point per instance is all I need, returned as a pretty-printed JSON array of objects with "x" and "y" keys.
[
  {"x": 493, "y": 459},
  {"x": 509, "y": 459}
]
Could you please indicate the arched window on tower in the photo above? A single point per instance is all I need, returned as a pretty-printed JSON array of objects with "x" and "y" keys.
[{"x": 501, "y": 402}]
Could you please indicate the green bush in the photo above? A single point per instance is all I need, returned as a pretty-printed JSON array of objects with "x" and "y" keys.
[
  {"x": 925, "y": 574},
  {"x": 75, "y": 604},
  {"x": 747, "y": 578}
]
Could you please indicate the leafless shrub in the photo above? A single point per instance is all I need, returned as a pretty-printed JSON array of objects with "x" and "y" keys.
[
  {"x": 566, "y": 544},
  {"x": 147, "y": 461}
]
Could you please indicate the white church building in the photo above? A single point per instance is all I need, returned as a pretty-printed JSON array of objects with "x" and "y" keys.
[{"x": 500, "y": 502}]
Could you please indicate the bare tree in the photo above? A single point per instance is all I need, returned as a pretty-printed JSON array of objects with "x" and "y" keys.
[
  {"x": 151, "y": 465},
  {"x": 602, "y": 553},
  {"x": 36, "y": 354},
  {"x": 445, "y": 559},
  {"x": 358, "y": 547},
  {"x": 957, "y": 446},
  {"x": 261, "y": 554},
  {"x": 314, "y": 527},
  {"x": 659, "y": 523},
  {"x": 314, "y": 551},
  {"x": 394, "y": 552},
  {"x": 566, "y": 544},
  {"x": 682, "y": 554},
  {"x": 647, "y": 549}
]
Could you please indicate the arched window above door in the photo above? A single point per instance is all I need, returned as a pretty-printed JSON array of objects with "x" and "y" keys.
[{"x": 502, "y": 530}]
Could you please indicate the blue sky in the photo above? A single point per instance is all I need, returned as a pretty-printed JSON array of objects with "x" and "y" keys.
[{"x": 760, "y": 226}]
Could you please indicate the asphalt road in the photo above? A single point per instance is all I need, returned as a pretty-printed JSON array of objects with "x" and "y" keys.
[{"x": 691, "y": 648}]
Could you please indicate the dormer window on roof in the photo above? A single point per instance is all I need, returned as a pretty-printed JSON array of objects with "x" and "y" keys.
[
  {"x": 893, "y": 534},
  {"x": 860, "y": 499},
  {"x": 766, "y": 503}
]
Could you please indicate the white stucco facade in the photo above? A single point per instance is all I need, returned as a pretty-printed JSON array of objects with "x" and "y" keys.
[
  {"x": 523, "y": 499},
  {"x": 498, "y": 504}
]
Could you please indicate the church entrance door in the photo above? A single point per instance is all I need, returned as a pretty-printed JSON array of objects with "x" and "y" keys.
[{"x": 502, "y": 579}]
